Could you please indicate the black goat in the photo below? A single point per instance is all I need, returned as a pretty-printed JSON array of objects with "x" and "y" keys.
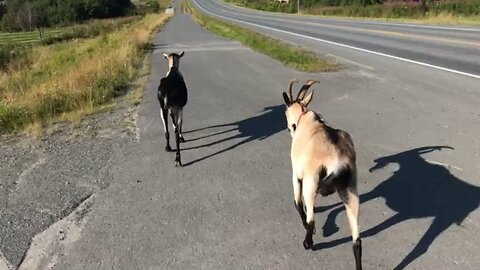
[{"x": 172, "y": 95}]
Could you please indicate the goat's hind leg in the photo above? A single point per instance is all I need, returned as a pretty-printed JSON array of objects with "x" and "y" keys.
[
  {"x": 164, "y": 114},
  {"x": 175, "y": 116},
  {"x": 349, "y": 197}
]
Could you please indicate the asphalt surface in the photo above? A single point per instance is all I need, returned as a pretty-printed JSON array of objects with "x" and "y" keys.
[
  {"x": 447, "y": 47},
  {"x": 43, "y": 180},
  {"x": 231, "y": 206}
]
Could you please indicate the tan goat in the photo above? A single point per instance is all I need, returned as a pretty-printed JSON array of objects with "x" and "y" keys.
[{"x": 323, "y": 161}]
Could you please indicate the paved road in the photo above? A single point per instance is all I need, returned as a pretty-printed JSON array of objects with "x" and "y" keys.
[
  {"x": 452, "y": 48},
  {"x": 231, "y": 206}
]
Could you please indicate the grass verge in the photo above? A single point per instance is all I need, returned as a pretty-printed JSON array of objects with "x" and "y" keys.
[
  {"x": 292, "y": 56},
  {"x": 441, "y": 12},
  {"x": 74, "y": 78}
]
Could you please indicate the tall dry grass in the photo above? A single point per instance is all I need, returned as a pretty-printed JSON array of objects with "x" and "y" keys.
[{"x": 73, "y": 76}]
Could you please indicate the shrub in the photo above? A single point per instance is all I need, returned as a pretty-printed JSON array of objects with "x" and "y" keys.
[{"x": 10, "y": 54}]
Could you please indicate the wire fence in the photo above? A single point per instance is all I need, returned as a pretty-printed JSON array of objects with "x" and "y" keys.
[{"x": 36, "y": 36}]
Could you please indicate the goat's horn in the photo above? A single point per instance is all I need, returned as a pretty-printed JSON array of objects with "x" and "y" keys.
[
  {"x": 290, "y": 85},
  {"x": 304, "y": 89}
]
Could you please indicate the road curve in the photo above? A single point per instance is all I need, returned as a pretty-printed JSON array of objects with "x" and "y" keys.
[{"x": 451, "y": 49}]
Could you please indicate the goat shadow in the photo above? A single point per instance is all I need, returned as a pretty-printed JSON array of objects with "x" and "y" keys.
[
  {"x": 418, "y": 189},
  {"x": 258, "y": 127}
]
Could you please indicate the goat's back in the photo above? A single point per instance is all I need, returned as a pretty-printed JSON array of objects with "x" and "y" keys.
[
  {"x": 318, "y": 145},
  {"x": 173, "y": 89}
]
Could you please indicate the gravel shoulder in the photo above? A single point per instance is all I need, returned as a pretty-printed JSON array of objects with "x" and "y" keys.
[{"x": 44, "y": 179}]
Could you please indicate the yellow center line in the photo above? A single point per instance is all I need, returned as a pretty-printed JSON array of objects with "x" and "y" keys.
[
  {"x": 387, "y": 33},
  {"x": 393, "y": 33}
]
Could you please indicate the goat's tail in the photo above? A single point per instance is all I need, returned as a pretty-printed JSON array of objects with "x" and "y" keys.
[
  {"x": 326, "y": 185},
  {"x": 337, "y": 180}
]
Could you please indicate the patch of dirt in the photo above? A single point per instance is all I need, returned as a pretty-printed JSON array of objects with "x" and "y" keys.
[{"x": 47, "y": 246}]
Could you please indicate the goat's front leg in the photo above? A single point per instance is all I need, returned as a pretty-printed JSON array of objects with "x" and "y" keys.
[
  {"x": 164, "y": 114},
  {"x": 297, "y": 193},
  {"x": 309, "y": 193}
]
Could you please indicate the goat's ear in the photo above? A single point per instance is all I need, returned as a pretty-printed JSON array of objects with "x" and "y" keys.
[
  {"x": 286, "y": 98},
  {"x": 165, "y": 55},
  {"x": 182, "y": 53},
  {"x": 306, "y": 100}
]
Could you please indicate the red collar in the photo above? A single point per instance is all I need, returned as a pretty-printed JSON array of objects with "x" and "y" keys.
[{"x": 300, "y": 117}]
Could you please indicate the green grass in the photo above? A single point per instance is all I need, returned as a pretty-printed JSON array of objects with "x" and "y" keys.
[
  {"x": 292, "y": 56},
  {"x": 14, "y": 54},
  {"x": 266, "y": 5},
  {"x": 75, "y": 78}
]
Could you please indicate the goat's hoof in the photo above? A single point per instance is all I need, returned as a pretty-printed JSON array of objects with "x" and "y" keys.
[
  {"x": 308, "y": 243},
  {"x": 307, "y": 228},
  {"x": 168, "y": 148},
  {"x": 178, "y": 162}
]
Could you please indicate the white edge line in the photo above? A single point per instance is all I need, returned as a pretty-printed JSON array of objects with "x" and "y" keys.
[
  {"x": 306, "y": 16},
  {"x": 420, "y": 26},
  {"x": 344, "y": 45},
  {"x": 321, "y": 22}
]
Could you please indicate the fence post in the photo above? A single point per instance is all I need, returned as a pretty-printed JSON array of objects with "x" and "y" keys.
[{"x": 40, "y": 33}]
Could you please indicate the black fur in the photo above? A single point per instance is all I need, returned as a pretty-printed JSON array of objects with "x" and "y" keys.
[
  {"x": 332, "y": 134},
  {"x": 173, "y": 96},
  {"x": 301, "y": 211},
  {"x": 357, "y": 252},
  {"x": 308, "y": 242},
  {"x": 334, "y": 181},
  {"x": 174, "y": 88}
]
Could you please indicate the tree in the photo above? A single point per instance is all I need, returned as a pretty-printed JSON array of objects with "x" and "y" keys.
[
  {"x": 3, "y": 9},
  {"x": 28, "y": 14},
  {"x": 154, "y": 5},
  {"x": 20, "y": 15},
  {"x": 423, "y": 6}
]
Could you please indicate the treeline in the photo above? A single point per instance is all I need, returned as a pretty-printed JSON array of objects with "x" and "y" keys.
[
  {"x": 311, "y": 3},
  {"x": 22, "y": 15},
  {"x": 267, "y": 5}
]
